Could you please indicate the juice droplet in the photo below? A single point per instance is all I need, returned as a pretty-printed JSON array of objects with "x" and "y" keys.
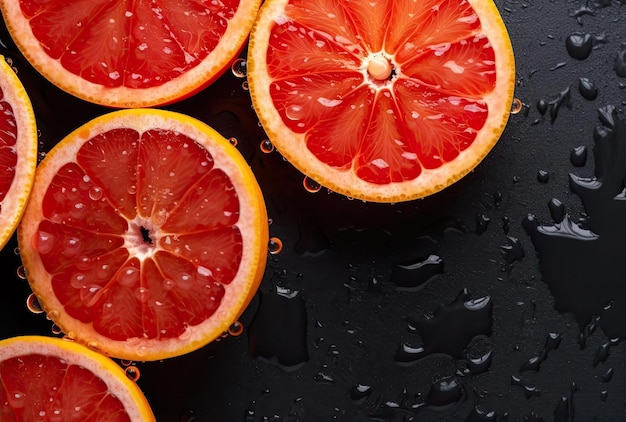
[
  {"x": 235, "y": 329},
  {"x": 516, "y": 106},
  {"x": 311, "y": 185},
  {"x": 132, "y": 372},
  {"x": 16, "y": 399},
  {"x": 239, "y": 68},
  {"x": 71, "y": 335},
  {"x": 128, "y": 276},
  {"x": 53, "y": 314},
  {"x": 95, "y": 193},
  {"x": 45, "y": 242},
  {"x": 267, "y": 146},
  {"x": 275, "y": 245},
  {"x": 33, "y": 305}
]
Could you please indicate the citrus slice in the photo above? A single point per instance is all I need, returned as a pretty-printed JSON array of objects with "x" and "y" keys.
[
  {"x": 18, "y": 150},
  {"x": 146, "y": 234},
  {"x": 49, "y": 379},
  {"x": 130, "y": 54},
  {"x": 385, "y": 100}
]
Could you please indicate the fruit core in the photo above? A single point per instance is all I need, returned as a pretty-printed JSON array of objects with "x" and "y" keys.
[{"x": 379, "y": 68}]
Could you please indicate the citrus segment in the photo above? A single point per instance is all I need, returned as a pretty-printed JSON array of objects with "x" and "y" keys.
[
  {"x": 146, "y": 234},
  {"x": 18, "y": 150},
  {"x": 53, "y": 380},
  {"x": 130, "y": 54},
  {"x": 382, "y": 100}
]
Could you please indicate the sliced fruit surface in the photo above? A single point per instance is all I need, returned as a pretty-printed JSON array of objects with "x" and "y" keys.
[
  {"x": 146, "y": 234},
  {"x": 384, "y": 100},
  {"x": 47, "y": 379},
  {"x": 130, "y": 54},
  {"x": 18, "y": 150}
]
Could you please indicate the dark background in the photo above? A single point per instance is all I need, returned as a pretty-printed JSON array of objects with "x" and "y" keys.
[{"x": 323, "y": 340}]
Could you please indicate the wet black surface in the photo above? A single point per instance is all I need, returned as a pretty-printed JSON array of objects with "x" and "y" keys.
[{"x": 457, "y": 307}]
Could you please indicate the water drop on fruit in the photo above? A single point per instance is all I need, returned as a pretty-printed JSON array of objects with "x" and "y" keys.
[
  {"x": 267, "y": 146},
  {"x": 21, "y": 272},
  {"x": 78, "y": 280},
  {"x": 235, "y": 329},
  {"x": 129, "y": 276},
  {"x": 311, "y": 185},
  {"x": 56, "y": 415},
  {"x": 239, "y": 68},
  {"x": 45, "y": 242},
  {"x": 294, "y": 112},
  {"x": 71, "y": 246},
  {"x": 93, "y": 345},
  {"x": 16, "y": 399},
  {"x": 132, "y": 189},
  {"x": 71, "y": 335},
  {"x": 88, "y": 293},
  {"x": 168, "y": 284},
  {"x": 95, "y": 193},
  {"x": 33, "y": 305},
  {"x": 275, "y": 245},
  {"x": 142, "y": 294},
  {"x": 184, "y": 281},
  {"x": 53, "y": 314}
]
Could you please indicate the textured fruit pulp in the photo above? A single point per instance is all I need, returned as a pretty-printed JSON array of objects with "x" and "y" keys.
[
  {"x": 42, "y": 388},
  {"x": 422, "y": 116},
  {"x": 8, "y": 152},
  {"x": 138, "y": 44},
  {"x": 140, "y": 235}
]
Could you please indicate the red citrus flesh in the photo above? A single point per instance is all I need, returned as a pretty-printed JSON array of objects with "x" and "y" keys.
[
  {"x": 147, "y": 234},
  {"x": 126, "y": 54},
  {"x": 377, "y": 99}
]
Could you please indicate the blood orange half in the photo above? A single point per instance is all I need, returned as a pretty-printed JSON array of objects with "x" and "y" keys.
[
  {"x": 130, "y": 54},
  {"x": 384, "y": 100},
  {"x": 146, "y": 234},
  {"x": 45, "y": 379},
  {"x": 18, "y": 150}
]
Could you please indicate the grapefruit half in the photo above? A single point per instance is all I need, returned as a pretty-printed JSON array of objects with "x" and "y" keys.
[
  {"x": 383, "y": 100},
  {"x": 130, "y": 54},
  {"x": 146, "y": 234}
]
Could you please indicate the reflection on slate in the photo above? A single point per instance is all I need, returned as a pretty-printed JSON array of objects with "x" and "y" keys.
[
  {"x": 278, "y": 332},
  {"x": 583, "y": 262}
]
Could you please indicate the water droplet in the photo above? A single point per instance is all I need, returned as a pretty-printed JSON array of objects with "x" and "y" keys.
[
  {"x": 445, "y": 392},
  {"x": 294, "y": 112},
  {"x": 557, "y": 210},
  {"x": 56, "y": 415},
  {"x": 579, "y": 45},
  {"x": 53, "y": 314},
  {"x": 45, "y": 242},
  {"x": 132, "y": 372},
  {"x": 239, "y": 67},
  {"x": 78, "y": 280},
  {"x": 95, "y": 193},
  {"x": 516, "y": 106},
  {"x": 33, "y": 305},
  {"x": 482, "y": 223},
  {"x": 71, "y": 335},
  {"x": 103, "y": 272},
  {"x": 311, "y": 185},
  {"x": 619, "y": 66},
  {"x": 93, "y": 345},
  {"x": 275, "y": 245},
  {"x": 72, "y": 246},
  {"x": 529, "y": 390},
  {"x": 563, "y": 98},
  {"x": 142, "y": 294},
  {"x": 89, "y": 294},
  {"x": 132, "y": 189},
  {"x": 587, "y": 89},
  {"x": 21, "y": 272},
  {"x": 359, "y": 392},
  {"x": 245, "y": 86},
  {"x": 16, "y": 399},
  {"x": 233, "y": 141},
  {"x": 608, "y": 375},
  {"x": 415, "y": 274},
  {"x": 543, "y": 176},
  {"x": 168, "y": 284},
  {"x": 267, "y": 146},
  {"x": 542, "y": 106},
  {"x": 184, "y": 281},
  {"x": 128, "y": 276},
  {"x": 578, "y": 156},
  {"x": 56, "y": 330},
  {"x": 235, "y": 329}
]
